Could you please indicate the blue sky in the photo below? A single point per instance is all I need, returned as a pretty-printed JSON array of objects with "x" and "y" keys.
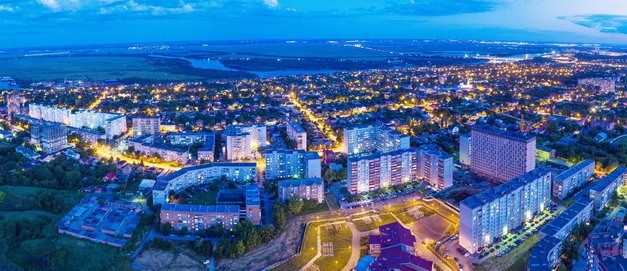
[{"x": 26, "y": 23}]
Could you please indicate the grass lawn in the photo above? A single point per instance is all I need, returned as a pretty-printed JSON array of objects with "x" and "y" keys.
[
  {"x": 341, "y": 236},
  {"x": 373, "y": 222},
  {"x": 204, "y": 198},
  {"x": 512, "y": 260},
  {"x": 322, "y": 207}
]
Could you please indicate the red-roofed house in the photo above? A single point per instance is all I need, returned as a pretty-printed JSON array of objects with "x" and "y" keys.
[{"x": 110, "y": 177}]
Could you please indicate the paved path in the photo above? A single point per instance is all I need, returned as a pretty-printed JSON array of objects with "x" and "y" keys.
[
  {"x": 318, "y": 253},
  {"x": 356, "y": 246}
]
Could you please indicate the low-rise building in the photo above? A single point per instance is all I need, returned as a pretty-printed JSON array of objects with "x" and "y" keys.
[
  {"x": 393, "y": 248},
  {"x": 566, "y": 182},
  {"x": 601, "y": 190},
  {"x": 196, "y": 217},
  {"x": 309, "y": 189},
  {"x": 545, "y": 255},
  {"x": 561, "y": 226}
]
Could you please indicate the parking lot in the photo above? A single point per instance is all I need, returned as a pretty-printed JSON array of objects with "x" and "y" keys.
[{"x": 509, "y": 241}]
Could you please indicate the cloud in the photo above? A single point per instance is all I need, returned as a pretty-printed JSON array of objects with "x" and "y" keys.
[
  {"x": 604, "y": 23},
  {"x": 440, "y": 7},
  {"x": 135, "y": 7},
  {"x": 271, "y": 3},
  {"x": 51, "y": 4},
  {"x": 7, "y": 9}
]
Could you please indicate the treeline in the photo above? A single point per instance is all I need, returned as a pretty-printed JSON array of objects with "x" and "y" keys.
[{"x": 60, "y": 173}]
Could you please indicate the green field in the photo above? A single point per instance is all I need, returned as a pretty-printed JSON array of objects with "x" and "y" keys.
[
  {"x": 24, "y": 198},
  {"x": 29, "y": 69},
  {"x": 341, "y": 237}
]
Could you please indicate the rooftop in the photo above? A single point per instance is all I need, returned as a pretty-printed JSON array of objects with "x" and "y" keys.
[
  {"x": 185, "y": 170},
  {"x": 538, "y": 259},
  {"x": 200, "y": 208},
  {"x": 493, "y": 130},
  {"x": 566, "y": 217},
  {"x": 296, "y": 126},
  {"x": 504, "y": 189},
  {"x": 306, "y": 182},
  {"x": 573, "y": 170}
]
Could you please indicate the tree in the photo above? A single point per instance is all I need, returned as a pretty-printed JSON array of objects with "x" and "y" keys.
[
  {"x": 166, "y": 228},
  {"x": 3, "y": 195},
  {"x": 203, "y": 247},
  {"x": 295, "y": 204},
  {"x": 58, "y": 258},
  {"x": 571, "y": 250},
  {"x": 279, "y": 215}
]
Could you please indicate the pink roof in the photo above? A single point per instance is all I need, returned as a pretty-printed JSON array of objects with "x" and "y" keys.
[{"x": 396, "y": 258}]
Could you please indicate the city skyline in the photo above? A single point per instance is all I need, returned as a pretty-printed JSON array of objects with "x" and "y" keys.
[{"x": 74, "y": 22}]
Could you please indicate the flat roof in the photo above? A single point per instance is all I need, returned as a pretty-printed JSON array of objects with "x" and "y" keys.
[
  {"x": 566, "y": 217},
  {"x": 539, "y": 252},
  {"x": 200, "y": 208},
  {"x": 184, "y": 170},
  {"x": 490, "y": 129},
  {"x": 574, "y": 170},
  {"x": 296, "y": 126},
  {"x": 307, "y": 182},
  {"x": 503, "y": 189},
  {"x": 603, "y": 183}
]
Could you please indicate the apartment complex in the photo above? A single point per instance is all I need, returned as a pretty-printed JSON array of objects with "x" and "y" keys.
[
  {"x": 51, "y": 137},
  {"x": 113, "y": 124},
  {"x": 196, "y": 217},
  {"x": 146, "y": 126},
  {"x": 601, "y": 190},
  {"x": 435, "y": 166},
  {"x": 201, "y": 174},
  {"x": 465, "y": 149},
  {"x": 561, "y": 226},
  {"x": 292, "y": 164},
  {"x": 146, "y": 144},
  {"x": 297, "y": 133},
  {"x": 498, "y": 210},
  {"x": 578, "y": 175},
  {"x": 373, "y": 138},
  {"x": 546, "y": 255},
  {"x": 310, "y": 189},
  {"x": 207, "y": 139},
  {"x": 242, "y": 141},
  {"x": 252, "y": 204},
  {"x": 372, "y": 172},
  {"x": 501, "y": 155}
]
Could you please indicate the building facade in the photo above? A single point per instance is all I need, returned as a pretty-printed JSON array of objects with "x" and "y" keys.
[
  {"x": 297, "y": 133},
  {"x": 566, "y": 182},
  {"x": 146, "y": 126},
  {"x": 242, "y": 141},
  {"x": 309, "y": 189},
  {"x": 498, "y": 210},
  {"x": 435, "y": 167},
  {"x": 197, "y": 217},
  {"x": 601, "y": 190},
  {"x": 201, "y": 174},
  {"x": 112, "y": 124},
  {"x": 561, "y": 226},
  {"x": 501, "y": 155},
  {"x": 372, "y": 172},
  {"x": 292, "y": 164},
  {"x": 51, "y": 137},
  {"x": 465, "y": 149},
  {"x": 373, "y": 138}
]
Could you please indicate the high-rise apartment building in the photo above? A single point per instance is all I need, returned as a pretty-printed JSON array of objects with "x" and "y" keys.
[
  {"x": 465, "y": 149},
  {"x": 297, "y": 133},
  {"x": 501, "y": 155},
  {"x": 292, "y": 164},
  {"x": 242, "y": 141},
  {"x": 373, "y": 138},
  {"x": 49, "y": 136},
  {"x": 578, "y": 175},
  {"x": 112, "y": 124},
  {"x": 146, "y": 126},
  {"x": 435, "y": 166},
  {"x": 372, "y": 172},
  {"x": 498, "y": 210}
]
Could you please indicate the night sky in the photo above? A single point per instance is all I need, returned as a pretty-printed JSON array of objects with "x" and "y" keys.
[{"x": 27, "y": 23}]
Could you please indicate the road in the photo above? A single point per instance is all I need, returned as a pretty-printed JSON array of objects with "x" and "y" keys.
[
  {"x": 355, "y": 246},
  {"x": 106, "y": 152},
  {"x": 318, "y": 251}
]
